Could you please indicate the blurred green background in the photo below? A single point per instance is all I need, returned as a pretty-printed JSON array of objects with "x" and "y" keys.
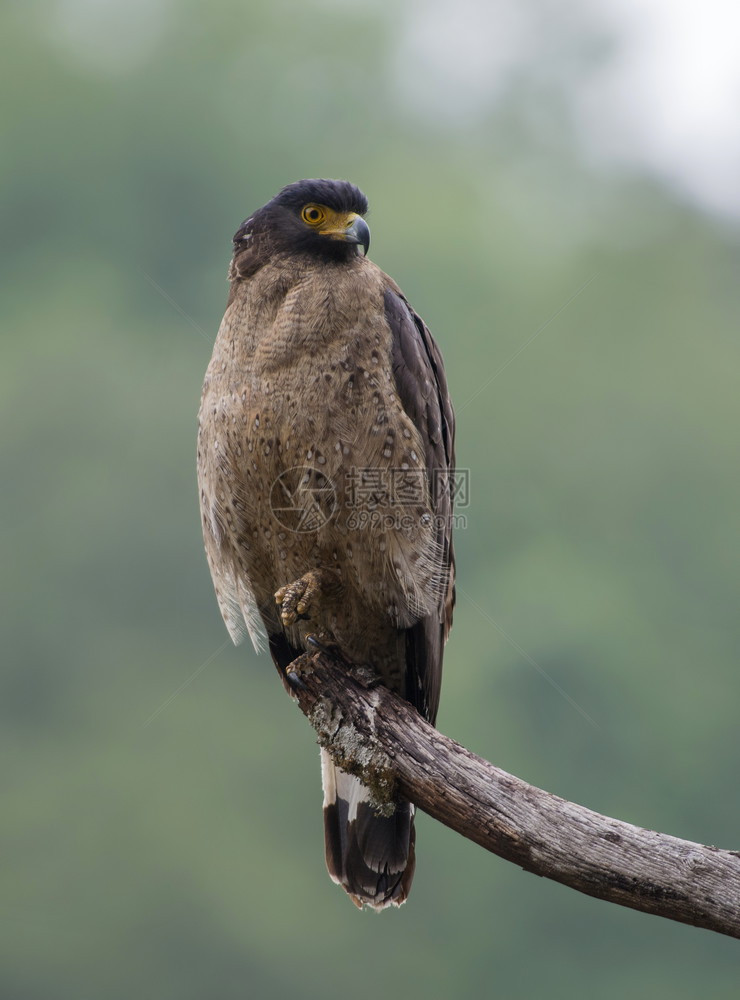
[{"x": 161, "y": 820}]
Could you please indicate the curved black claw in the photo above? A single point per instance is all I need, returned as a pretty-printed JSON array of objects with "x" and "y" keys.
[
  {"x": 293, "y": 677},
  {"x": 326, "y": 645},
  {"x": 322, "y": 647}
]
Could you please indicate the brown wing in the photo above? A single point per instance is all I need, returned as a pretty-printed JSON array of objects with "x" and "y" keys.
[{"x": 422, "y": 387}]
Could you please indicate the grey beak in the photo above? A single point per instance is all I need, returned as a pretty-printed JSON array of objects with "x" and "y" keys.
[{"x": 358, "y": 232}]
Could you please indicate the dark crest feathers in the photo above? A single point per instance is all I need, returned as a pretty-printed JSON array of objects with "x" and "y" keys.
[{"x": 339, "y": 195}]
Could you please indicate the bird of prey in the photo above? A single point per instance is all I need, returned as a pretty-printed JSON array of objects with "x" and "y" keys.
[{"x": 325, "y": 460}]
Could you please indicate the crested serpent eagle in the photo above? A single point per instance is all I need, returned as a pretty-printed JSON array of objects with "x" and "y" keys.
[{"x": 325, "y": 460}]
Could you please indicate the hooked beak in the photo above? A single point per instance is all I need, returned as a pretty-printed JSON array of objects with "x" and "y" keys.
[
  {"x": 358, "y": 232},
  {"x": 349, "y": 228}
]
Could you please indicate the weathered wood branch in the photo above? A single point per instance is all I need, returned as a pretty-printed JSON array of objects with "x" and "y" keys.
[{"x": 379, "y": 737}]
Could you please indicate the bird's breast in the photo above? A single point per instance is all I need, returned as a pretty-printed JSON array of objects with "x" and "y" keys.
[{"x": 313, "y": 456}]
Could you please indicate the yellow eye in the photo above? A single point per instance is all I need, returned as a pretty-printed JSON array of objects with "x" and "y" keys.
[{"x": 313, "y": 215}]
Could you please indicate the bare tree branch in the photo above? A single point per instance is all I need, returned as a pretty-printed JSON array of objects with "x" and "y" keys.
[{"x": 379, "y": 737}]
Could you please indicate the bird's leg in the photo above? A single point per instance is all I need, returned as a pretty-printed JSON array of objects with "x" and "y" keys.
[{"x": 308, "y": 597}]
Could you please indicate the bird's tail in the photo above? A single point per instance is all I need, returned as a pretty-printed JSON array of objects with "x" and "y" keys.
[{"x": 369, "y": 855}]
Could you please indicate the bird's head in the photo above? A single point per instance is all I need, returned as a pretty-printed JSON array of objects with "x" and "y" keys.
[{"x": 321, "y": 217}]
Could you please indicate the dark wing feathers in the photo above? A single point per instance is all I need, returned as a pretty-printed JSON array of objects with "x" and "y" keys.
[
  {"x": 422, "y": 387},
  {"x": 372, "y": 856}
]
